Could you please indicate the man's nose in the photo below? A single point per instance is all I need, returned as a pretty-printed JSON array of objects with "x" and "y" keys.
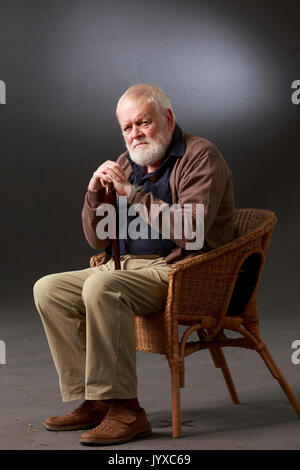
[{"x": 136, "y": 132}]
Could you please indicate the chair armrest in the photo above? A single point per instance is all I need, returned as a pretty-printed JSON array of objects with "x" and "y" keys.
[{"x": 203, "y": 285}]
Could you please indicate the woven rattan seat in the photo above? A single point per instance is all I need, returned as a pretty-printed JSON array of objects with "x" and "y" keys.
[{"x": 210, "y": 293}]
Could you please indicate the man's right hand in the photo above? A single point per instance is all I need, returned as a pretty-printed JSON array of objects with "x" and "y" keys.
[{"x": 106, "y": 173}]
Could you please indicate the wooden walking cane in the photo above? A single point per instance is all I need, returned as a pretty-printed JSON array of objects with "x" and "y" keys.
[{"x": 111, "y": 198}]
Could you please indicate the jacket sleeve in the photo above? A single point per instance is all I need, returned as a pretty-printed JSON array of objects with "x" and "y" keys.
[
  {"x": 90, "y": 215},
  {"x": 90, "y": 219}
]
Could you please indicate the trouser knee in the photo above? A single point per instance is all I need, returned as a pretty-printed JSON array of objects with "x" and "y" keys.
[
  {"x": 103, "y": 289},
  {"x": 43, "y": 291},
  {"x": 96, "y": 287}
]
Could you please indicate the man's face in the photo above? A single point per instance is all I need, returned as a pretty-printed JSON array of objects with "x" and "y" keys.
[{"x": 147, "y": 134}]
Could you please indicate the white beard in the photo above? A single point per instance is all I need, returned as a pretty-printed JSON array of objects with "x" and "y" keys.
[{"x": 152, "y": 152}]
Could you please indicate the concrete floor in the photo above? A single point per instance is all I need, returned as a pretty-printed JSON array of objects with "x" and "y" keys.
[{"x": 264, "y": 420}]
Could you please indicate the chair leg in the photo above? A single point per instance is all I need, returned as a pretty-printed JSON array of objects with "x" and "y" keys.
[
  {"x": 176, "y": 419},
  {"x": 220, "y": 362},
  {"x": 277, "y": 374}
]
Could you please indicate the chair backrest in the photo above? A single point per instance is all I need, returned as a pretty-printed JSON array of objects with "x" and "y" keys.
[
  {"x": 247, "y": 220},
  {"x": 258, "y": 224}
]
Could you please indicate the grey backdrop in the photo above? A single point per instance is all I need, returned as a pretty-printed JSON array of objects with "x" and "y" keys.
[{"x": 228, "y": 69}]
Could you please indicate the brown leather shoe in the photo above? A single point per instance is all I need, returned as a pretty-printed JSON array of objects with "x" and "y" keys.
[
  {"x": 119, "y": 425},
  {"x": 89, "y": 414}
]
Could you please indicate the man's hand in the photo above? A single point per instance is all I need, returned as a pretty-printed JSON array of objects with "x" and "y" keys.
[
  {"x": 110, "y": 172},
  {"x": 123, "y": 188}
]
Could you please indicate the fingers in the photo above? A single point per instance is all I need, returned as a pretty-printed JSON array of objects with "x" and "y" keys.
[
  {"x": 110, "y": 171},
  {"x": 106, "y": 173}
]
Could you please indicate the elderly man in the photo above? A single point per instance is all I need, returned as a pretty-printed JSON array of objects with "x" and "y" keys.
[{"x": 88, "y": 315}]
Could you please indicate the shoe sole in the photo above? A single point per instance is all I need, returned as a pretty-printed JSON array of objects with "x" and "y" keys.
[
  {"x": 72, "y": 427},
  {"x": 95, "y": 442}
]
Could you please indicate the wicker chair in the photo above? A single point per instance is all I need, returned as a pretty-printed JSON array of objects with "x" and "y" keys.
[{"x": 208, "y": 294}]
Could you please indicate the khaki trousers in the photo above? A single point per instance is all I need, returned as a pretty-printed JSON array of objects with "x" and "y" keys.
[{"x": 88, "y": 317}]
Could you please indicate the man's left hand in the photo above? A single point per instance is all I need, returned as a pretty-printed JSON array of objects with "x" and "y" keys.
[{"x": 123, "y": 188}]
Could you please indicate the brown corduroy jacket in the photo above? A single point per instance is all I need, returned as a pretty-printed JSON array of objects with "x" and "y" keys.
[{"x": 200, "y": 176}]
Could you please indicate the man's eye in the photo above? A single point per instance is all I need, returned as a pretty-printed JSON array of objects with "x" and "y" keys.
[
  {"x": 145, "y": 123},
  {"x": 127, "y": 129}
]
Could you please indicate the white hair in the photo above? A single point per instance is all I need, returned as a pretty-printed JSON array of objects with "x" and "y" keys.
[{"x": 151, "y": 93}]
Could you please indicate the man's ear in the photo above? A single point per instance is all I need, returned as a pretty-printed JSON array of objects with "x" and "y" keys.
[{"x": 170, "y": 119}]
